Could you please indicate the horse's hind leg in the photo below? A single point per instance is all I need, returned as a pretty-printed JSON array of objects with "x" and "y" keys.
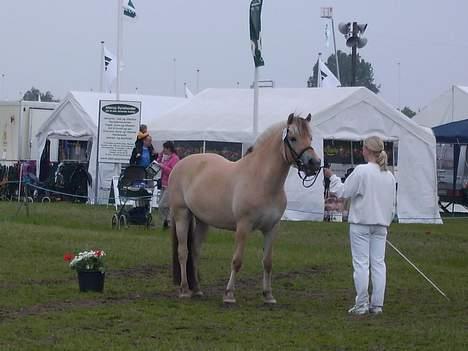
[
  {"x": 199, "y": 234},
  {"x": 182, "y": 219},
  {"x": 241, "y": 234},
  {"x": 267, "y": 261}
]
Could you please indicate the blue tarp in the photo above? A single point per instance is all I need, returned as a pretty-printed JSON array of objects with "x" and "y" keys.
[{"x": 452, "y": 133}]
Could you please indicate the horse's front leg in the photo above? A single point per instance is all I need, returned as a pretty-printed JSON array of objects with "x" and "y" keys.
[
  {"x": 241, "y": 235},
  {"x": 267, "y": 261}
]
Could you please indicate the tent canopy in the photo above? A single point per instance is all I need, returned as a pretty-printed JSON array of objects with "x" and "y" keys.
[
  {"x": 451, "y": 106},
  {"x": 77, "y": 118},
  {"x": 338, "y": 113},
  {"x": 452, "y": 133}
]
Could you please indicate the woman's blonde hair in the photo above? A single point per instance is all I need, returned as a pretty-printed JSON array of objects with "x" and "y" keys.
[{"x": 376, "y": 146}]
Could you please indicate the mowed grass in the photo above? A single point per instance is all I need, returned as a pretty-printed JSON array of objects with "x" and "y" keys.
[{"x": 41, "y": 308}]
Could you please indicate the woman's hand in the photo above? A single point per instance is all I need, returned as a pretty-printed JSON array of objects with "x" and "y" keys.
[{"x": 327, "y": 172}]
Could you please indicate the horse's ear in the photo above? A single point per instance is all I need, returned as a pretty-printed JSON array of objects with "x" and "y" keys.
[
  {"x": 309, "y": 117},
  {"x": 290, "y": 119}
]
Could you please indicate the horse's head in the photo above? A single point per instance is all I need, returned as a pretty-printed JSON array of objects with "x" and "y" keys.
[{"x": 297, "y": 138}]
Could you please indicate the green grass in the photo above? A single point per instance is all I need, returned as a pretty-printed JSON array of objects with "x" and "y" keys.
[{"x": 41, "y": 308}]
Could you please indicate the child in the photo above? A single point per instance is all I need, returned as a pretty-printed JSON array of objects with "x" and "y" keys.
[{"x": 142, "y": 133}]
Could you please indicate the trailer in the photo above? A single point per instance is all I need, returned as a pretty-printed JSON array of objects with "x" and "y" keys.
[{"x": 19, "y": 123}]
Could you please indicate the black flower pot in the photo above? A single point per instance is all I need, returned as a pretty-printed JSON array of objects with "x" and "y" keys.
[{"x": 91, "y": 281}]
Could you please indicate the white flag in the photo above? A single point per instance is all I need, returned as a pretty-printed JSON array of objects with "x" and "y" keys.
[
  {"x": 129, "y": 10},
  {"x": 188, "y": 93},
  {"x": 110, "y": 70},
  {"x": 326, "y": 78}
]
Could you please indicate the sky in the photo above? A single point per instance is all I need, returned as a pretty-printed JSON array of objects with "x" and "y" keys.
[{"x": 55, "y": 45}]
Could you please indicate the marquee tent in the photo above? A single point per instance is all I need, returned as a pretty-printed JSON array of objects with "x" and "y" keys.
[
  {"x": 76, "y": 118},
  {"x": 451, "y": 106},
  {"x": 225, "y": 115}
]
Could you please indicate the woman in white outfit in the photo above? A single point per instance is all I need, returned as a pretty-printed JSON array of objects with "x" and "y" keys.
[{"x": 371, "y": 190}]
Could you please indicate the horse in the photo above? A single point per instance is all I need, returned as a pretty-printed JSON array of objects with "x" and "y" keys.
[{"x": 243, "y": 196}]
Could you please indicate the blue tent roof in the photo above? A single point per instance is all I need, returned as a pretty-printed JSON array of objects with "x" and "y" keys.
[{"x": 452, "y": 133}]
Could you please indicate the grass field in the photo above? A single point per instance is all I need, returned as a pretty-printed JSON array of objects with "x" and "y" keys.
[{"x": 41, "y": 308}]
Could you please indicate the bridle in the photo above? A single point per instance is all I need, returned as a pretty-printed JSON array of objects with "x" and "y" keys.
[{"x": 306, "y": 181}]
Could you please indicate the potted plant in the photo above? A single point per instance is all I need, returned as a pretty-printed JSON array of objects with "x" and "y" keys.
[{"x": 90, "y": 268}]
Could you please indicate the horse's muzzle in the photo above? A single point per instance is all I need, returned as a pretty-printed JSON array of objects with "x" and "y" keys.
[{"x": 312, "y": 167}]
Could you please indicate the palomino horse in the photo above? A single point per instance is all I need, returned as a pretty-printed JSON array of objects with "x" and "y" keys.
[{"x": 242, "y": 196}]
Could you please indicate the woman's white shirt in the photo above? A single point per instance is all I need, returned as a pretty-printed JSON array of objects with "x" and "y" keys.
[{"x": 372, "y": 193}]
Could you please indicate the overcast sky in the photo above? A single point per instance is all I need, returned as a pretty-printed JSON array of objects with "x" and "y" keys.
[{"x": 54, "y": 44}]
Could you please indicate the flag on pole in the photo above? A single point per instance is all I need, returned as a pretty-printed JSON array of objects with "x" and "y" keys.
[
  {"x": 129, "y": 10},
  {"x": 325, "y": 78},
  {"x": 110, "y": 70},
  {"x": 255, "y": 29},
  {"x": 188, "y": 93}
]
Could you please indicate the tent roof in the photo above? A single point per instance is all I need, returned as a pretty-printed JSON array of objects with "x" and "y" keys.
[
  {"x": 226, "y": 114},
  {"x": 454, "y": 132},
  {"x": 451, "y": 106},
  {"x": 85, "y": 106}
]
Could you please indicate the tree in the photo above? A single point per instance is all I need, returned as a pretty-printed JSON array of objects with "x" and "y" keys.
[
  {"x": 34, "y": 93},
  {"x": 409, "y": 112},
  {"x": 364, "y": 72}
]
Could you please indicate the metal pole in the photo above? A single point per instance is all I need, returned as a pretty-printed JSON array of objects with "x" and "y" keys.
[
  {"x": 255, "y": 107},
  {"x": 198, "y": 80},
  {"x": 96, "y": 177},
  {"x": 336, "y": 53},
  {"x": 399, "y": 93},
  {"x": 119, "y": 45},
  {"x": 319, "y": 72},
  {"x": 354, "y": 56},
  {"x": 3, "y": 86},
  {"x": 174, "y": 60},
  {"x": 102, "y": 68}
]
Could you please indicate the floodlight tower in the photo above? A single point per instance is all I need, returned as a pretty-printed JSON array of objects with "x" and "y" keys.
[{"x": 354, "y": 39}]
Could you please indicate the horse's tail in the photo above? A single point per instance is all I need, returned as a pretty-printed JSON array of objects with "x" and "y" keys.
[{"x": 176, "y": 275}]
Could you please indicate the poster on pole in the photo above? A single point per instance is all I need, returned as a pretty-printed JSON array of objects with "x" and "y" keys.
[{"x": 118, "y": 126}]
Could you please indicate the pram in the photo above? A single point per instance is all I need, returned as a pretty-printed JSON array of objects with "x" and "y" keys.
[{"x": 136, "y": 185}]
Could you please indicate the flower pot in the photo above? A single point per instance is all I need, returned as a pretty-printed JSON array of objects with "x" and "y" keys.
[{"x": 91, "y": 281}]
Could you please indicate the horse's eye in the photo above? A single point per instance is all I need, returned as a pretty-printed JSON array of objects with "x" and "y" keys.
[{"x": 293, "y": 139}]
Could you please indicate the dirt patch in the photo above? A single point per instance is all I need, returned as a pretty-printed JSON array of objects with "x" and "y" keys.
[{"x": 144, "y": 271}]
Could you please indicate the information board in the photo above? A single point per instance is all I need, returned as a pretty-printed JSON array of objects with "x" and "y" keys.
[{"x": 119, "y": 122}]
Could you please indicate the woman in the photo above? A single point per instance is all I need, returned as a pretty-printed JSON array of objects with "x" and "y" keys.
[
  {"x": 371, "y": 191},
  {"x": 166, "y": 160}
]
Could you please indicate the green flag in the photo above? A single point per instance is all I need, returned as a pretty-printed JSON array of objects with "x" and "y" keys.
[{"x": 255, "y": 29}]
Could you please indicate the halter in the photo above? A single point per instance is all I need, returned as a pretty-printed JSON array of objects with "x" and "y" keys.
[{"x": 300, "y": 165}]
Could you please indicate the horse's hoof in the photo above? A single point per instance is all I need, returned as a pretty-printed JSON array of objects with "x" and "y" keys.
[
  {"x": 185, "y": 295},
  {"x": 229, "y": 298},
  {"x": 198, "y": 293},
  {"x": 268, "y": 299}
]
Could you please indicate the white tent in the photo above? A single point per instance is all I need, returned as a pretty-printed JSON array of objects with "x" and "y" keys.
[
  {"x": 76, "y": 118},
  {"x": 338, "y": 113},
  {"x": 451, "y": 106}
]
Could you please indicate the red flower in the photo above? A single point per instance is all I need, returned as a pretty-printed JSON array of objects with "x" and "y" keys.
[
  {"x": 68, "y": 256},
  {"x": 98, "y": 253}
]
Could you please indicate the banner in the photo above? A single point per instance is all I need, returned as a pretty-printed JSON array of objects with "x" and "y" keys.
[
  {"x": 255, "y": 29},
  {"x": 119, "y": 122}
]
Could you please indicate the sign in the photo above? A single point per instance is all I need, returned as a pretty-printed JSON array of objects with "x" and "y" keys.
[{"x": 119, "y": 122}]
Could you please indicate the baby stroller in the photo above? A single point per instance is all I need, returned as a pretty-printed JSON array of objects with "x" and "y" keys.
[{"x": 135, "y": 185}]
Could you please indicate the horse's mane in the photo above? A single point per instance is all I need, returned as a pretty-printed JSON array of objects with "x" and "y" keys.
[{"x": 300, "y": 127}]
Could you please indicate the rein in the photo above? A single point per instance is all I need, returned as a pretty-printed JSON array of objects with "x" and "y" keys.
[{"x": 306, "y": 181}]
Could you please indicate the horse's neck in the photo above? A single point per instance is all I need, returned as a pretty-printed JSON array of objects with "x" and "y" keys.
[{"x": 271, "y": 168}]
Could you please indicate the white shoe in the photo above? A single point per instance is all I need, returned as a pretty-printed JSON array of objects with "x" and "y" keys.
[
  {"x": 375, "y": 310},
  {"x": 359, "y": 310}
]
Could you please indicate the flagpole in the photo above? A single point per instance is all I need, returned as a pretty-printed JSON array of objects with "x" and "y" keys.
[
  {"x": 319, "y": 71},
  {"x": 255, "y": 107},
  {"x": 101, "y": 75},
  {"x": 119, "y": 45}
]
